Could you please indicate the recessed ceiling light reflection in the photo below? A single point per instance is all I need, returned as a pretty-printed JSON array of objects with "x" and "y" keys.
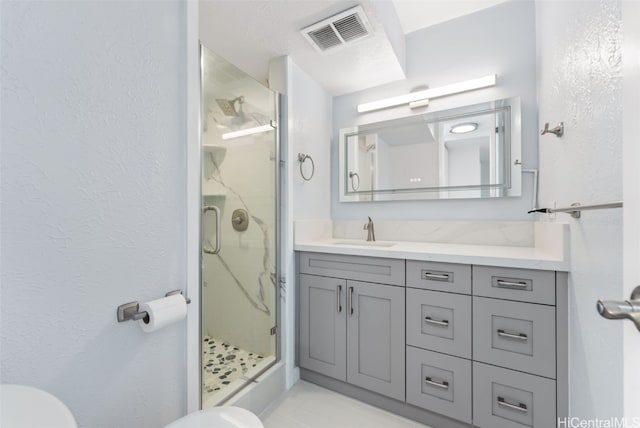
[{"x": 463, "y": 128}]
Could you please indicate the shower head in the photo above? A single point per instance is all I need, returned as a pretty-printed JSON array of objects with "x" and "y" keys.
[{"x": 228, "y": 107}]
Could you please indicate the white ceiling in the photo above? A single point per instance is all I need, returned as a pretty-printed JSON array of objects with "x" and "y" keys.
[
  {"x": 417, "y": 14},
  {"x": 249, "y": 33}
]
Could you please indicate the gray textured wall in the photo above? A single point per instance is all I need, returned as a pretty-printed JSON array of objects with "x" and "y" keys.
[
  {"x": 93, "y": 206},
  {"x": 580, "y": 83}
]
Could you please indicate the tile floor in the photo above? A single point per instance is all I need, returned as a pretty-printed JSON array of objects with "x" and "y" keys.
[
  {"x": 309, "y": 406},
  {"x": 226, "y": 368}
]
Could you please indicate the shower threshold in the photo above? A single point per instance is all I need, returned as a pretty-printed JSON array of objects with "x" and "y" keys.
[{"x": 226, "y": 369}]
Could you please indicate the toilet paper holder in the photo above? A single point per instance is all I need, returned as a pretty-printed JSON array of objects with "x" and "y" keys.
[{"x": 131, "y": 310}]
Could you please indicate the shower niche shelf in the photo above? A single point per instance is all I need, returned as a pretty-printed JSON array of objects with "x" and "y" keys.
[
  {"x": 214, "y": 193},
  {"x": 213, "y": 148},
  {"x": 212, "y": 188}
]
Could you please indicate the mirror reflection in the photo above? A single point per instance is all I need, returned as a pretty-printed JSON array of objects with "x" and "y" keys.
[{"x": 459, "y": 153}]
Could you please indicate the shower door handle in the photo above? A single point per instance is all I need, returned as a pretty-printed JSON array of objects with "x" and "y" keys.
[{"x": 216, "y": 249}]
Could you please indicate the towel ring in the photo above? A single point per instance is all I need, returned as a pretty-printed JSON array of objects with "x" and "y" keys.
[
  {"x": 353, "y": 185},
  {"x": 302, "y": 158}
]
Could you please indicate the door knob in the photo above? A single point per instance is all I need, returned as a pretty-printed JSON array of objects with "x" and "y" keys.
[{"x": 615, "y": 310}]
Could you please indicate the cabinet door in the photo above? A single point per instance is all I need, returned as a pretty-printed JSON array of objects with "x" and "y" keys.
[
  {"x": 519, "y": 336},
  {"x": 376, "y": 341},
  {"x": 323, "y": 326},
  {"x": 439, "y": 383},
  {"x": 505, "y": 398},
  {"x": 449, "y": 277},
  {"x": 439, "y": 321},
  {"x": 525, "y": 285}
]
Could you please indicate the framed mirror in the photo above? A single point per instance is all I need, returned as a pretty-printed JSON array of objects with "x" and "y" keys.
[{"x": 466, "y": 152}]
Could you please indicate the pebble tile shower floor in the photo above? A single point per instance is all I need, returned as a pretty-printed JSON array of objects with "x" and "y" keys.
[{"x": 225, "y": 368}]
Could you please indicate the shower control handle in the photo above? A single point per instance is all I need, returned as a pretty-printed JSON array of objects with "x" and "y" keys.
[
  {"x": 206, "y": 209},
  {"x": 339, "y": 298}
]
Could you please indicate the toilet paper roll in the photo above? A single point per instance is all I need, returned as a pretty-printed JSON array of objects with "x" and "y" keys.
[{"x": 163, "y": 312}]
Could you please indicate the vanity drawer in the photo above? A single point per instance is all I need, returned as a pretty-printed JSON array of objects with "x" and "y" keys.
[
  {"x": 450, "y": 277},
  {"x": 369, "y": 269},
  {"x": 439, "y": 383},
  {"x": 439, "y": 321},
  {"x": 505, "y": 398},
  {"x": 525, "y": 285},
  {"x": 520, "y": 336}
]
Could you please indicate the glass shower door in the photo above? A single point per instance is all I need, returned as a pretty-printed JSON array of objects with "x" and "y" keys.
[{"x": 239, "y": 216}]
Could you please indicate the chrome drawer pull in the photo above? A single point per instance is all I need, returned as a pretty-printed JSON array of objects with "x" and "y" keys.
[
  {"x": 350, "y": 301},
  {"x": 520, "y": 407},
  {"x": 510, "y": 284},
  {"x": 518, "y": 336},
  {"x": 435, "y": 276},
  {"x": 443, "y": 323},
  {"x": 443, "y": 385},
  {"x": 339, "y": 294}
]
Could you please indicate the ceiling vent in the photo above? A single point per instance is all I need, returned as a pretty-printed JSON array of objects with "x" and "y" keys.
[{"x": 338, "y": 30}]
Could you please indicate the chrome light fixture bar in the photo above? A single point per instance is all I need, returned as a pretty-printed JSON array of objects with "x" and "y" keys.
[
  {"x": 250, "y": 131},
  {"x": 414, "y": 98}
]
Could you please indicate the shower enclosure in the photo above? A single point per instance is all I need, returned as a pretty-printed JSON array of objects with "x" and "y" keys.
[{"x": 239, "y": 235}]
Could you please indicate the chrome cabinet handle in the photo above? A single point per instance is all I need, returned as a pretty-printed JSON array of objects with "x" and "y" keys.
[
  {"x": 520, "y": 407},
  {"x": 443, "y": 323},
  {"x": 436, "y": 276},
  {"x": 511, "y": 284},
  {"x": 443, "y": 385},
  {"x": 518, "y": 336},
  {"x": 339, "y": 293},
  {"x": 216, "y": 250},
  {"x": 350, "y": 301}
]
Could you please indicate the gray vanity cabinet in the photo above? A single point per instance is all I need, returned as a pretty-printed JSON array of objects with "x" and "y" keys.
[
  {"x": 519, "y": 347},
  {"x": 353, "y": 331},
  {"x": 455, "y": 346}
]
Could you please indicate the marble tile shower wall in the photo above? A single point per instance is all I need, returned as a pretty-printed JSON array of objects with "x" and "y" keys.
[{"x": 239, "y": 282}]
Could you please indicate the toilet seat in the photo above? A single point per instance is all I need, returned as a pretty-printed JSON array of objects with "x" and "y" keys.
[
  {"x": 27, "y": 407},
  {"x": 219, "y": 417}
]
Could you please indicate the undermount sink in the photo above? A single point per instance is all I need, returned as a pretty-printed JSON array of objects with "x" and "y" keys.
[{"x": 365, "y": 243}]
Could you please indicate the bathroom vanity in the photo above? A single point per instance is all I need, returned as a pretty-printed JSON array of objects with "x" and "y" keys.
[{"x": 448, "y": 344}]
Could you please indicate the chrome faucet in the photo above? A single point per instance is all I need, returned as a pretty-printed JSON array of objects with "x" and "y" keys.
[{"x": 368, "y": 226}]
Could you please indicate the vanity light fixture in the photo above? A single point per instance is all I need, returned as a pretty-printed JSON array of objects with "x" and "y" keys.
[
  {"x": 463, "y": 128},
  {"x": 418, "y": 98},
  {"x": 250, "y": 131}
]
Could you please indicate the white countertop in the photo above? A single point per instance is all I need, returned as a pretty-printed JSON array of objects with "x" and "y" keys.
[{"x": 534, "y": 245}]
